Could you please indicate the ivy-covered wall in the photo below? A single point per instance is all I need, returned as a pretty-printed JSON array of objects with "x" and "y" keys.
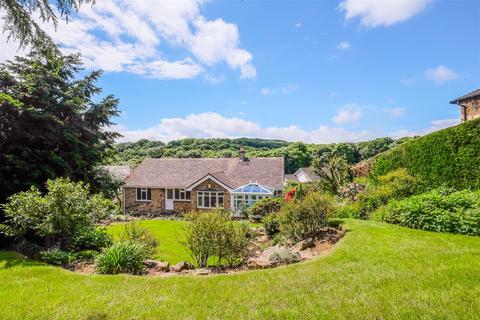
[{"x": 450, "y": 157}]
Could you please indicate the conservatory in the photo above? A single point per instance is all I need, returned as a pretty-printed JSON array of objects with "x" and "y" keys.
[{"x": 246, "y": 196}]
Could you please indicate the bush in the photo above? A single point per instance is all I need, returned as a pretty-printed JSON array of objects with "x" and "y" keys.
[
  {"x": 263, "y": 208},
  {"x": 444, "y": 158},
  {"x": 284, "y": 256},
  {"x": 132, "y": 231},
  {"x": 441, "y": 210},
  {"x": 91, "y": 239},
  {"x": 122, "y": 257},
  {"x": 212, "y": 235},
  {"x": 351, "y": 210},
  {"x": 397, "y": 184},
  {"x": 303, "y": 219},
  {"x": 56, "y": 256},
  {"x": 62, "y": 217},
  {"x": 272, "y": 227}
]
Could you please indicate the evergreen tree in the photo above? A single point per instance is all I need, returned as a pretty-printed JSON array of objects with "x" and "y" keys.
[{"x": 50, "y": 124}]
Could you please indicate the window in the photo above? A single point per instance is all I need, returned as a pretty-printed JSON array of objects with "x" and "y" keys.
[
  {"x": 178, "y": 194},
  {"x": 210, "y": 199},
  {"x": 245, "y": 200},
  {"x": 144, "y": 194}
]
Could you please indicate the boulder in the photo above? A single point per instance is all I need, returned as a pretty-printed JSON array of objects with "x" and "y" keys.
[
  {"x": 303, "y": 245},
  {"x": 181, "y": 266},
  {"x": 163, "y": 266},
  {"x": 150, "y": 263},
  {"x": 258, "y": 264},
  {"x": 202, "y": 272}
]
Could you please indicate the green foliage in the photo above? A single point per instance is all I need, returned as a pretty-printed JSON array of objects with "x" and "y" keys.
[
  {"x": 397, "y": 184},
  {"x": 133, "y": 231},
  {"x": 51, "y": 122},
  {"x": 444, "y": 158},
  {"x": 56, "y": 256},
  {"x": 263, "y": 208},
  {"x": 333, "y": 172},
  {"x": 441, "y": 210},
  {"x": 271, "y": 224},
  {"x": 122, "y": 257},
  {"x": 305, "y": 218},
  {"x": 64, "y": 217},
  {"x": 296, "y": 155},
  {"x": 20, "y": 25},
  {"x": 284, "y": 256},
  {"x": 211, "y": 235}
]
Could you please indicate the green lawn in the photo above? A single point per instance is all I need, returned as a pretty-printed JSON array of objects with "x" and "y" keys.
[
  {"x": 377, "y": 271},
  {"x": 168, "y": 233}
]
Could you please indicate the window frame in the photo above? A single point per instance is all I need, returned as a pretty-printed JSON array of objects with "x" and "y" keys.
[
  {"x": 178, "y": 194},
  {"x": 145, "y": 194},
  {"x": 219, "y": 197}
]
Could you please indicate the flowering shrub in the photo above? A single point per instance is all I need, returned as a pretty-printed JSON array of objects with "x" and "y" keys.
[
  {"x": 351, "y": 191},
  {"x": 290, "y": 195}
]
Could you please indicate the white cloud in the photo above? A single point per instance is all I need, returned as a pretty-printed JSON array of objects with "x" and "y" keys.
[
  {"x": 298, "y": 25},
  {"x": 211, "y": 124},
  {"x": 289, "y": 88},
  {"x": 440, "y": 74},
  {"x": 132, "y": 36},
  {"x": 435, "y": 125},
  {"x": 344, "y": 45},
  {"x": 395, "y": 112},
  {"x": 347, "y": 115},
  {"x": 374, "y": 13}
]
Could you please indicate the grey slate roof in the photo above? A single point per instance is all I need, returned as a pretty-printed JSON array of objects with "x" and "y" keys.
[
  {"x": 182, "y": 172},
  {"x": 473, "y": 94}
]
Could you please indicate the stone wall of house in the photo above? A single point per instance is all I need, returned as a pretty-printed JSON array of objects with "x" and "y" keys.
[
  {"x": 471, "y": 109},
  {"x": 211, "y": 185},
  {"x": 182, "y": 206},
  {"x": 155, "y": 206}
]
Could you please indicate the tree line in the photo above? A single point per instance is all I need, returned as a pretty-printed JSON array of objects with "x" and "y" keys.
[{"x": 296, "y": 154}]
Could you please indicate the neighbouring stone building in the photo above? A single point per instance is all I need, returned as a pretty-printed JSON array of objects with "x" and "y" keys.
[
  {"x": 302, "y": 175},
  {"x": 168, "y": 185},
  {"x": 469, "y": 105}
]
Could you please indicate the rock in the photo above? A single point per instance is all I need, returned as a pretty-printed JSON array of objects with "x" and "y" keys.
[
  {"x": 202, "y": 272},
  {"x": 150, "y": 263},
  {"x": 181, "y": 266},
  {"x": 163, "y": 266},
  {"x": 258, "y": 264},
  {"x": 304, "y": 244}
]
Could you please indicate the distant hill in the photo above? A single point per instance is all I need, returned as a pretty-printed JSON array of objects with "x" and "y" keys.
[
  {"x": 450, "y": 157},
  {"x": 296, "y": 154}
]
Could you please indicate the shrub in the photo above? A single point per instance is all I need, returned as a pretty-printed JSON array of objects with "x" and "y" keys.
[
  {"x": 284, "y": 256},
  {"x": 122, "y": 257},
  {"x": 212, "y": 235},
  {"x": 132, "y": 231},
  {"x": 61, "y": 217},
  {"x": 91, "y": 239},
  {"x": 444, "y": 158},
  {"x": 272, "y": 227},
  {"x": 333, "y": 172},
  {"x": 350, "y": 210},
  {"x": 397, "y": 184},
  {"x": 56, "y": 256},
  {"x": 264, "y": 207},
  {"x": 299, "y": 220},
  {"x": 440, "y": 210}
]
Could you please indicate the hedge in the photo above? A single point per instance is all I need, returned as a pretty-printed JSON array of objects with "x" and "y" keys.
[{"x": 450, "y": 157}]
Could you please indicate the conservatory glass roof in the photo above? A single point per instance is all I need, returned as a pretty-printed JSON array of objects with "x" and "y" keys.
[{"x": 254, "y": 188}]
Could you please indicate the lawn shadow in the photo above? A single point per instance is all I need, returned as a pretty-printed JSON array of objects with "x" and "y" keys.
[{"x": 10, "y": 259}]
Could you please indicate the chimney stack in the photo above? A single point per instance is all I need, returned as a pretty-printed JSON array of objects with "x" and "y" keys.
[{"x": 241, "y": 154}]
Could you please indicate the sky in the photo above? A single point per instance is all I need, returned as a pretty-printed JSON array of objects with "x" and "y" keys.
[{"x": 311, "y": 71}]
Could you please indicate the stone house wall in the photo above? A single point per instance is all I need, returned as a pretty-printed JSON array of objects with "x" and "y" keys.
[
  {"x": 210, "y": 185},
  {"x": 470, "y": 109},
  {"x": 155, "y": 206}
]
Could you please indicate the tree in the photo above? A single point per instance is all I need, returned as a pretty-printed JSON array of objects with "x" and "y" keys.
[
  {"x": 19, "y": 25},
  {"x": 50, "y": 126},
  {"x": 333, "y": 172}
]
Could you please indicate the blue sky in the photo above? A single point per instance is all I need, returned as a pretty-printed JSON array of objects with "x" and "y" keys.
[{"x": 315, "y": 71}]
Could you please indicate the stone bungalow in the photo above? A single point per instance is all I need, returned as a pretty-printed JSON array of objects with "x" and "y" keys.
[
  {"x": 469, "y": 105},
  {"x": 169, "y": 185}
]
